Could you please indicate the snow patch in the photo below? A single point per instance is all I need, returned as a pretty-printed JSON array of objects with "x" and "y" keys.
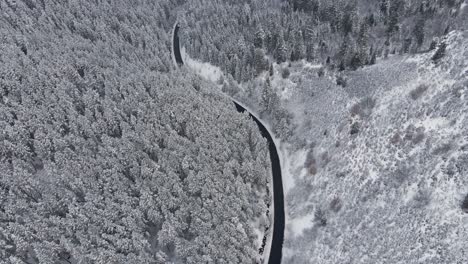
[
  {"x": 293, "y": 167},
  {"x": 298, "y": 225},
  {"x": 284, "y": 87},
  {"x": 463, "y": 5},
  {"x": 434, "y": 123},
  {"x": 308, "y": 65},
  {"x": 205, "y": 70},
  {"x": 410, "y": 193}
]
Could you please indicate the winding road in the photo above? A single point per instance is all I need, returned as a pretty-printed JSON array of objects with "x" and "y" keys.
[
  {"x": 278, "y": 196},
  {"x": 176, "y": 43}
]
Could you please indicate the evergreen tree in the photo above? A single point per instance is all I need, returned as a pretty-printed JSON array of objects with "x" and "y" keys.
[
  {"x": 267, "y": 97},
  {"x": 259, "y": 38},
  {"x": 271, "y": 70},
  {"x": 395, "y": 10},
  {"x": 373, "y": 59},
  {"x": 418, "y": 31},
  {"x": 281, "y": 52},
  {"x": 261, "y": 63},
  {"x": 298, "y": 51},
  {"x": 349, "y": 18},
  {"x": 310, "y": 52},
  {"x": 362, "y": 42}
]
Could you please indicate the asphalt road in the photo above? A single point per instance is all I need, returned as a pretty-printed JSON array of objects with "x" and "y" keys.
[{"x": 278, "y": 196}]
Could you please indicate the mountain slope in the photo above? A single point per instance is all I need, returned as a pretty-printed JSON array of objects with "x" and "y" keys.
[{"x": 384, "y": 173}]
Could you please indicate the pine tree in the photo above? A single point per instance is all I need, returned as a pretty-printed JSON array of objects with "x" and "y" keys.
[
  {"x": 465, "y": 204},
  {"x": 440, "y": 52},
  {"x": 259, "y": 38},
  {"x": 362, "y": 42},
  {"x": 395, "y": 10},
  {"x": 349, "y": 18},
  {"x": 344, "y": 50},
  {"x": 281, "y": 51},
  {"x": 384, "y": 7},
  {"x": 267, "y": 97},
  {"x": 310, "y": 52},
  {"x": 261, "y": 63},
  {"x": 373, "y": 59},
  {"x": 298, "y": 51},
  {"x": 418, "y": 31}
]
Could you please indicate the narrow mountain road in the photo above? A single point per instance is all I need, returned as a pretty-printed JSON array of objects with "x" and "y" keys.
[
  {"x": 278, "y": 195},
  {"x": 176, "y": 46}
]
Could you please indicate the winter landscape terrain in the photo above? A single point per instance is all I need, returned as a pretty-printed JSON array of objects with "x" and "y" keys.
[{"x": 120, "y": 141}]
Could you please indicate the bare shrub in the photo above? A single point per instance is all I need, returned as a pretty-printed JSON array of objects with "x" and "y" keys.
[
  {"x": 364, "y": 107},
  {"x": 395, "y": 139},
  {"x": 336, "y": 204},
  {"x": 401, "y": 174},
  {"x": 415, "y": 135},
  {"x": 418, "y": 91},
  {"x": 458, "y": 91},
  {"x": 313, "y": 169},
  {"x": 462, "y": 161},
  {"x": 442, "y": 149},
  {"x": 409, "y": 132},
  {"x": 337, "y": 144},
  {"x": 221, "y": 80},
  {"x": 422, "y": 198},
  {"x": 320, "y": 217},
  {"x": 433, "y": 44},
  {"x": 354, "y": 128},
  {"x": 325, "y": 159},
  {"x": 341, "y": 81},
  {"x": 311, "y": 163},
  {"x": 465, "y": 204},
  {"x": 341, "y": 174},
  {"x": 321, "y": 72},
  {"x": 440, "y": 52},
  {"x": 285, "y": 73},
  {"x": 356, "y": 109},
  {"x": 418, "y": 136}
]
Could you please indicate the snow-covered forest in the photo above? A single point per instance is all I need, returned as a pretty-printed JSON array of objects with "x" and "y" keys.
[
  {"x": 111, "y": 153},
  {"x": 245, "y": 37},
  {"x": 108, "y": 154}
]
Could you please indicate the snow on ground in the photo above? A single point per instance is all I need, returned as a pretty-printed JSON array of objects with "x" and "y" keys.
[
  {"x": 292, "y": 167},
  {"x": 400, "y": 178},
  {"x": 284, "y": 87},
  {"x": 205, "y": 70},
  {"x": 298, "y": 225},
  {"x": 390, "y": 192},
  {"x": 309, "y": 65},
  {"x": 463, "y": 5}
]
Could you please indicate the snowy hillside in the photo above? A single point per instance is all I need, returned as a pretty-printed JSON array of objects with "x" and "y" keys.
[
  {"x": 385, "y": 172},
  {"x": 375, "y": 170},
  {"x": 117, "y": 146}
]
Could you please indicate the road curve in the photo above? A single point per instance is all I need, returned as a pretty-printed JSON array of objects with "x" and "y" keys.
[
  {"x": 177, "y": 55},
  {"x": 278, "y": 195}
]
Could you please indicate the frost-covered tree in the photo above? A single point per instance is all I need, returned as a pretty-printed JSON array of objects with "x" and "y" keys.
[
  {"x": 281, "y": 52},
  {"x": 261, "y": 62}
]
